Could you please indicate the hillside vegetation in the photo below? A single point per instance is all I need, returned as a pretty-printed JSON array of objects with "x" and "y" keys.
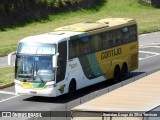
[
  {"x": 18, "y": 12},
  {"x": 146, "y": 16}
]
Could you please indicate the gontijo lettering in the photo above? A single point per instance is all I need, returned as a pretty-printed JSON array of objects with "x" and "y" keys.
[{"x": 111, "y": 53}]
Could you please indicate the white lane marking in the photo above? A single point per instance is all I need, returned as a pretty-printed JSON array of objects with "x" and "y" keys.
[
  {"x": 149, "y": 46},
  {"x": 150, "y": 52},
  {"x": 155, "y": 43},
  {"x": 6, "y": 92},
  {"x": 3, "y": 100},
  {"x": 148, "y": 57},
  {"x": 154, "y": 46}
]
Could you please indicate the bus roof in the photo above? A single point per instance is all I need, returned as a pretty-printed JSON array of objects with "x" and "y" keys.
[
  {"x": 82, "y": 27},
  {"x": 78, "y": 29},
  {"x": 100, "y": 24},
  {"x": 50, "y": 38},
  {"x": 116, "y": 21}
]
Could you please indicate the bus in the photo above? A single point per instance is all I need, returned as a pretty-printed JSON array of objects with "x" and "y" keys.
[{"x": 75, "y": 56}]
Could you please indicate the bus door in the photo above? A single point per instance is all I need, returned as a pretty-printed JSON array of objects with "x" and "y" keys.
[{"x": 61, "y": 69}]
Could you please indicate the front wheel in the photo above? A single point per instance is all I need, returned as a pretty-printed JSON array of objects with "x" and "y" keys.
[{"x": 72, "y": 89}]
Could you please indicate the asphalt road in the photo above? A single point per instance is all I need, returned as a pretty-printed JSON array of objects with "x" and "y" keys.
[{"x": 149, "y": 60}]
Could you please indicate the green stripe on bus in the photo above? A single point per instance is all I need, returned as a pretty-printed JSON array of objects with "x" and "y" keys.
[
  {"x": 86, "y": 67},
  {"x": 94, "y": 65},
  {"x": 90, "y": 66},
  {"x": 38, "y": 85}
]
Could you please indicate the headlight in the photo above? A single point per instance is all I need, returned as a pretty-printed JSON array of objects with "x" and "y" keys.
[{"x": 50, "y": 86}]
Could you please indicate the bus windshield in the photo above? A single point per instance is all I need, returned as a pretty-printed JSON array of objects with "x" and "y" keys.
[{"x": 34, "y": 68}]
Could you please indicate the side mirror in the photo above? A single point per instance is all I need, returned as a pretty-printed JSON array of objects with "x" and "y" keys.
[
  {"x": 10, "y": 58},
  {"x": 54, "y": 60}
]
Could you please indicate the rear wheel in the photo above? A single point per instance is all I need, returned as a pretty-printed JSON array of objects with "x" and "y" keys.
[
  {"x": 116, "y": 77},
  {"x": 72, "y": 89},
  {"x": 124, "y": 70}
]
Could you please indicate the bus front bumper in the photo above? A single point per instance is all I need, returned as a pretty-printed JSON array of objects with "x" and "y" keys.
[{"x": 48, "y": 92}]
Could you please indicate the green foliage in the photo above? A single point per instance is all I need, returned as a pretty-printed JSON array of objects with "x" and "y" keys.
[
  {"x": 1, "y": 8},
  {"x": 19, "y": 7},
  {"x": 15, "y": 12}
]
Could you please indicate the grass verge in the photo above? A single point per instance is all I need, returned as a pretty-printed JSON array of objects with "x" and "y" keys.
[
  {"x": 146, "y": 16},
  {"x": 6, "y": 75}
]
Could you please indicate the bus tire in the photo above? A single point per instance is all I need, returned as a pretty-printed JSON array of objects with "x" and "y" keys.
[
  {"x": 116, "y": 77},
  {"x": 124, "y": 70},
  {"x": 72, "y": 89}
]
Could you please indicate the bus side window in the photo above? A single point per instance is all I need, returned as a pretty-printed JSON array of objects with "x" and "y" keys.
[
  {"x": 84, "y": 46},
  {"x": 133, "y": 33},
  {"x": 107, "y": 41},
  {"x": 73, "y": 48},
  {"x": 125, "y": 35},
  {"x": 96, "y": 42},
  {"x": 118, "y": 38}
]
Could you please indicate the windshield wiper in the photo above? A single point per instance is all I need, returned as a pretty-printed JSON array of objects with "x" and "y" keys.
[{"x": 40, "y": 78}]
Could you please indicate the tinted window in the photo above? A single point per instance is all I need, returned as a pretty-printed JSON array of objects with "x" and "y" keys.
[
  {"x": 118, "y": 37},
  {"x": 73, "y": 48},
  {"x": 96, "y": 42},
  {"x": 84, "y": 46},
  {"x": 125, "y": 35},
  {"x": 133, "y": 33},
  {"x": 107, "y": 40}
]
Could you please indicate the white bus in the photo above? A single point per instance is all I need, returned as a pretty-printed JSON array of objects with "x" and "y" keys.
[{"x": 75, "y": 56}]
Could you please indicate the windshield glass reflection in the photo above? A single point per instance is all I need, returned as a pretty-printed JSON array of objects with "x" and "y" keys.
[{"x": 35, "y": 68}]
